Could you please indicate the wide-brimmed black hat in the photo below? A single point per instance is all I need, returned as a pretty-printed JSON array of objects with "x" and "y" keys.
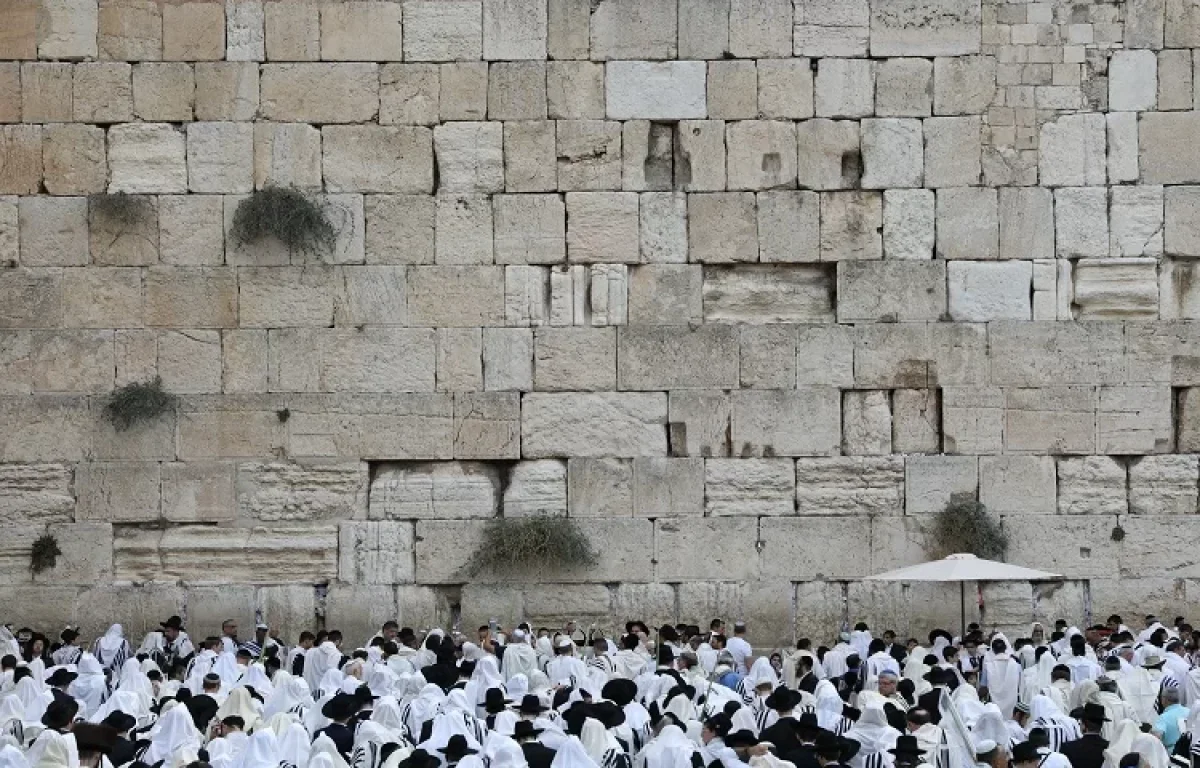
[
  {"x": 531, "y": 705},
  {"x": 1093, "y": 713},
  {"x": 620, "y": 691},
  {"x": 742, "y": 738},
  {"x": 61, "y": 676},
  {"x": 828, "y": 746},
  {"x": 119, "y": 721},
  {"x": 938, "y": 676},
  {"x": 363, "y": 693},
  {"x": 95, "y": 738},
  {"x": 608, "y": 713},
  {"x": 807, "y": 723},
  {"x": 907, "y": 745},
  {"x": 172, "y": 623},
  {"x": 60, "y": 713},
  {"x": 342, "y": 706},
  {"x": 781, "y": 698},
  {"x": 494, "y": 701},
  {"x": 457, "y": 747},
  {"x": 524, "y": 730},
  {"x": 1024, "y": 752}
]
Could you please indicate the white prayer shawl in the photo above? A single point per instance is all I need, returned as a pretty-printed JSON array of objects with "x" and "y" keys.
[
  {"x": 707, "y": 657},
  {"x": 565, "y": 670},
  {"x": 1044, "y": 713},
  {"x": 860, "y": 641},
  {"x": 256, "y": 677},
  {"x": 425, "y": 707},
  {"x": 58, "y": 751},
  {"x": 198, "y": 667},
  {"x": 325, "y": 755},
  {"x": 628, "y": 664},
  {"x": 929, "y": 738},
  {"x": 876, "y": 737},
  {"x": 1082, "y": 668},
  {"x": 835, "y": 661},
  {"x": 716, "y": 750},
  {"x": 111, "y": 649},
  {"x": 1121, "y": 744},
  {"x": 990, "y": 726},
  {"x": 240, "y": 704},
  {"x": 294, "y": 747},
  {"x": 450, "y": 724},
  {"x": 227, "y": 668},
  {"x": 878, "y": 662},
  {"x": 174, "y": 731},
  {"x": 388, "y": 713},
  {"x": 670, "y": 749},
  {"x": 318, "y": 661},
  {"x": 829, "y": 705},
  {"x": 33, "y": 700},
  {"x": 11, "y": 757},
  {"x": 90, "y": 688},
  {"x": 1153, "y": 753},
  {"x": 502, "y": 752},
  {"x": 261, "y": 751},
  {"x": 291, "y": 694},
  {"x": 1003, "y": 680},
  {"x": 224, "y": 752},
  {"x": 519, "y": 659}
]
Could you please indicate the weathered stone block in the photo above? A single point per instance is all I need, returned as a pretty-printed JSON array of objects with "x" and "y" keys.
[
  {"x": 287, "y": 155},
  {"x": 844, "y": 88},
  {"x": 602, "y": 227},
  {"x": 785, "y": 88},
  {"x": 456, "y": 296},
  {"x": 925, "y": 28},
  {"x": 1018, "y": 485},
  {"x": 866, "y": 423},
  {"x": 952, "y": 151},
  {"x": 1162, "y": 137},
  {"x": 529, "y": 156},
  {"x": 1092, "y": 485},
  {"x": 729, "y": 544},
  {"x": 514, "y": 29},
  {"x": 53, "y": 231},
  {"x": 1053, "y": 420},
  {"x": 908, "y": 224},
  {"x": 44, "y": 429},
  {"x": 361, "y": 31},
  {"x": 1075, "y": 353},
  {"x": 749, "y": 487},
  {"x": 349, "y": 360},
  {"x": 1175, "y": 79},
  {"x": 1132, "y": 81},
  {"x": 1072, "y": 151},
  {"x": 667, "y": 90},
  {"x": 628, "y": 29},
  {"x": 36, "y": 493},
  {"x": 446, "y": 490},
  {"x": 788, "y": 552},
  {"x": 768, "y": 359},
  {"x": 487, "y": 425},
  {"x": 972, "y": 420},
  {"x": 194, "y": 298},
  {"x": 400, "y": 229},
  {"x": 760, "y": 29},
  {"x": 507, "y": 359},
  {"x": 46, "y": 92},
  {"x": 668, "y": 487},
  {"x": 575, "y": 359},
  {"x": 700, "y": 155},
  {"x": 198, "y": 554},
  {"x": 850, "y": 226},
  {"x": 320, "y": 93},
  {"x": 287, "y": 492},
  {"x": 463, "y": 90},
  {"x": 1134, "y": 420},
  {"x": 896, "y": 291},
  {"x": 931, "y": 481},
  {"x": 164, "y": 92},
  {"x": 850, "y": 486},
  {"x": 732, "y": 90},
  {"x": 589, "y": 155},
  {"x": 1115, "y": 288},
  {"x": 102, "y": 298},
  {"x": 376, "y": 553},
  {"x": 995, "y": 291},
  {"x": 1026, "y": 223},
  {"x": 916, "y": 421},
  {"x": 800, "y": 422},
  {"x": 789, "y": 226},
  {"x": 353, "y": 159},
  {"x": 146, "y": 159},
  {"x": 722, "y": 227},
  {"x": 464, "y": 229},
  {"x": 193, "y": 31},
  {"x": 227, "y": 90},
  {"x": 220, "y": 157},
  {"x": 892, "y": 153},
  {"x": 699, "y": 423},
  {"x": 245, "y": 34},
  {"x": 119, "y": 492},
  {"x": 831, "y": 28},
  {"x": 964, "y": 85},
  {"x": 198, "y": 492},
  {"x": 666, "y": 357},
  {"x": 443, "y": 30},
  {"x": 600, "y": 487},
  {"x": 919, "y": 355},
  {"x": 1163, "y": 485},
  {"x": 666, "y": 294},
  {"x": 761, "y": 154},
  {"x": 748, "y": 294},
  {"x": 575, "y": 90},
  {"x": 903, "y": 87},
  {"x": 102, "y": 92},
  {"x": 1081, "y": 222},
  {"x": 130, "y": 30},
  {"x": 517, "y": 90},
  {"x": 409, "y": 94},
  {"x": 536, "y": 488},
  {"x": 594, "y": 424}
]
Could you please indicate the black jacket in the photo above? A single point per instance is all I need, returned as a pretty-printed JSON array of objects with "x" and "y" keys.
[
  {"x": 538, "y": 755},
  {"x": 1087, "y": 752},
  {"x": 783, "y": 735},
  {"x": 804, "y": 756},
  {"x": 203, "y": 709},
  {"x": 931, "y": 701},
  {"x": 341, "y": 736}
]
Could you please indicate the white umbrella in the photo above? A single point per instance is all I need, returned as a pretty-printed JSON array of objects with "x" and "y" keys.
[{"x": 963, "y": 568}]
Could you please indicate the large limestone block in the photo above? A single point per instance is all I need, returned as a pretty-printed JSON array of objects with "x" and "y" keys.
[
  {"x": 600, "y": 487},
  {"x": 967, "y": 223},
  {"x": 666, "y": 294},
  {"x": 20, "y": 159},
  {"x": 768, "y": 359},
  {"x": 805, "y": 548},
  {"x": 668, "y": 487},
  {"x": 1053, "y": 420},
  {"x": 245, "y": 34},
  {"x": 350, "y": 360},
  {"x": 785, "y": 88},
  {"x": 456, "y": 296},
  {"x": 443, "y": 30},
  {"x": 44, "y": 429},
  {"x": 908, "y": 223},
  {"x": 1071, "y": 151},
  {"x": 470, "y": 157},
  {"x": 925, "y": 27},
  {"x": 1018, "y": 485},
  {"x": 980, "y": 292},
  {"x": 728, "y": 544},
  {"x": 130, "y": 30},
  {"x": 892, "y": 153},
  {"x": 916, "y": 421},
  {"x": 320, "y": 93},
  {"x": 74, "y": 160},
  {"x": 119, "y": 492},
  {"x": 789, "y": 226},
  {"x": 536, "y": 488},
  {"x": 191, "y": 298},
  {"x": 831, "y": 27},
  {"x": 388, "y": 159},
  {"x": 529, "y": 156},
  {"x": 722, "y": 228},
  {"x": 919, "y": 355},
  {"x": 189, "y": 362},
  {"x": 1182, "y": 220},
  {"x": 850, "y": 486},
  {"x": 575, "y": 359},
  {"x": 464, "y": 229},
  {"x": 801, "y": 422},
  {"x": 665, "y": 357},
  {"x": 700, "y": 155},
  {"x": 273, "y": 297},
  {"x": 1026, "y": 217},
  {"x": 952, "y": 151},
  {"x": 198, "y": 492},
  {"x": 829, "y": 156},
  {"x": 602, "y": 227},
  {"x": 200, "y": 554},
  {"x": 700, "y": 423},
  {"x": 760, "y": 295},
  {"x": 972, "y": 420},
  {"x": 575, "y": 90},
  {"x": 1164, "y": 138},
  {"x": 517, "y": 90},
  {"x": 1132, "y": 81},
  {"x": 287, "y": 155},
  {"x": 1092, "y": 485},
  {"x": 866, "y": 423},
  {"x": 279, "y": 492},
  {"x": 53, "y": 231},
  {"x": 392, "y": 427},
  {"x": 85, "y": 558},
  {"x": 446, "y": 490},
  {"x": 72, "y": 361},
  {"x": 514, "y": 29},
  {"x": 1175, "y": 77},
  {"x": 220, "y": 157},
  {"x": 760, "y": 28},
  {"x": 851, "y": 223},
  {"x": 164, "y": 91},
  {"x": 1134, "y": 420},
  {"x": 1115, "y": 288},
  {"x": 361, "y": 31},
  {"x": 1163, "y": 485},
  {"x": 1151, "y": 547},
  {"x": 400, "y": 229},
  {"x": 749, "y": 487},
  {"x": 761, "y": 154},
  {"x": 1122, "y": 146},
  {"x": 193, "y": 31},
  {"x": 36, "y": 493},
  {"x": 903, "y": 87},
  {"x": 227, "y": 90},
  {"x": 228, "y": 427},
  {"x": 409, "y": 94},
  {"x": 599, "y": 424},
  {"x": 964, "y": 85},
  {"x": 931, "y": 481},
  {"x": 147, "y": 158},
  {"x": 487, "y": 425},
  {"x": 1046, "y": 354},
  {"x": 891, "y": 291},
  {"x": 1136, "y": 222},
  {"x": 102, "y": 92},
  {"x": 844, "y": 88},
  {"x": 669, "y": 90}
]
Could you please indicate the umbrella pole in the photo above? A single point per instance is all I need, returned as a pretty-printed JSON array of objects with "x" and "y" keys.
[{"x": 962, "y": 606}]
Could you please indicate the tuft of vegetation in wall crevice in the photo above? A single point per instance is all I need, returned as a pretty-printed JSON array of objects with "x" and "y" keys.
[
  {"x": 137, "y": 403},
  {"x": 965, "y": 526}
]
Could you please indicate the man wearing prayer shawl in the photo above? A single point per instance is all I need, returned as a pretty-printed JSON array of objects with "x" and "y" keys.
[
  {"x": 875, "y": 738},
  {"x": 1001, "y": 677},
  {"x": 629, "y": 662},
  {"x": 519, "y": 657},
  {"x": 112, "y": 649},
  {"x": 565, "y": 668},
  {"x": 1088, "y": 751}
]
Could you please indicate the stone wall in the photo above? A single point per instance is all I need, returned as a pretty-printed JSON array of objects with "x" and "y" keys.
[{"x": 750, "y": 287}]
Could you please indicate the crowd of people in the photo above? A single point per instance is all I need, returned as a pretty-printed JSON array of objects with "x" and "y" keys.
[{"x": 675, "y": 697}]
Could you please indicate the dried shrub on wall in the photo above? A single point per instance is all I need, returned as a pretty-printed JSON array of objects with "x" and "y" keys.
[
  {"x": 44, "y": 555},
  {"x": 138, "y": 402},
  {"x": 119, "y": 208},
  {"x": 288, "y": 216},
  {"x": 531, "y": 544},
  {"x": 965, "y": 526}
]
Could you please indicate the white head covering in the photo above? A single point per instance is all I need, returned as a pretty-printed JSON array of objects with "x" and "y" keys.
[
  {"x": 174, "y": 731},
  {"x": 829, "y": 705},
  {"x": 873, "y": 732},
  {"x": 123, "y": 701},
  {"x": 256, "y": 677},
  {"x": 571, "y": 754},
  {"x": 325, "y": 754},
  {"x": 58, "y": 751},
  {"x": 112, "y": 640},
  {"x": 503, "y": 752},
  {"x": 241, "y": 704},
  {"x": 11, "y": 757},
  {"x": 290, "y": 694},
  {"x": 990, "y": 725},
  {"x": 90, "y": 687},
  {"x": 1122, "y": 742},
  {"x": 1151, "y": 749},
  {"x": 594, "y": 738},
  {"x": 762, "y": 672},
  {"x": 294, "y": 747},
  {"x": 388, "y": 713},
  {"x": 262, "y": 751},
  {"x": 671, "y": 748},
  {"x": 33, "y": 699}
]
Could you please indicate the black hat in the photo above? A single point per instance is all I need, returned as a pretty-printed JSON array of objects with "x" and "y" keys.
[
  {"x": 742, "y": 738},
  {"x": 60, "y": 713},
  {"x": 524, "y": 730},
  {"x": 419, "y": 759},
  {"x": 781, "y": 698},
  {"x": 720, "y": 724},
  {"x": 608, "y": 713},
  {"x": 494, "y": 701},
  {"x": 457, "y": 747},
  {"x": 95, "y": 738},
  {"x": 61, "y": 676},
  {"x": 68, "y": 635},
  {"x": 363, "y": 694},
  {"x": 938, "y": 676},
  {"x": 1093, "y": 713},
  {"x": 828, "y": 745},
  {"x": 907, "y": 745},
  {"x": 342, "y": 706},
  {"x": 172, "y": 623},
  {"x": 807, "y": 723},
  {"x": 620, "y": 691},
  {"x": 531, "y": 705},
  {"x": 851, "y": 713},
  {"x": 119, "y": 721},
  {"x": 1024, "y": 752}
]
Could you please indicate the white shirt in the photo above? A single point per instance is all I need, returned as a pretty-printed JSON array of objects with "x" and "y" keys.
[{"x": 740, "y": 650}]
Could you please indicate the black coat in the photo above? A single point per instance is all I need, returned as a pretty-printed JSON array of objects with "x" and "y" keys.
[
  {"x": 1087, "y": 752},
  {"x": 783, "y": 735},
  {"x": 538, "y": 755},
  {"x": 804, "y": 756},
  {"x": 341, "y": 736},
  {"x": 124, "y": 751},
  {"x": 931, "y": 701},
  {"x": 203, "y": 709}
]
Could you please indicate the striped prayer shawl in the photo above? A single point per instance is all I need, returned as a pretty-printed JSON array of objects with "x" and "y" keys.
[
  {"x": 1058, "y": 733},
  {"x": 615, "y": 758}
]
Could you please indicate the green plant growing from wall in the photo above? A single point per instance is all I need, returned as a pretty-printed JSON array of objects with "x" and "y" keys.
[
  {"x": 965, "y": 526},
  {"x": 119, "y": 209},
  {"x": 138, "y": 402},
  {"x": 532, "y": 544},
  {"x": 44, "y": 554},
  {"x": 287, "y": 215}
]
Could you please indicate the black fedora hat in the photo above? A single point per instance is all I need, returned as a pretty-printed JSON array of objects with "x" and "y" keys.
[
  {"x": 828, "y": 746},
  {"x": 457, "y": 747},
  {"x": 807, "y": 723},
  {"x": 1024, "y": 752},
  {"x": 119, "y": 721},
  {"x": 60, "y": 714},
  {"x": 742, "y": 738},
  {"x": 1093, "y": 713},
  {"x": 620, "y": 691},
  {"x": 781, "y": 698},
  {"x": 61, "y": 676},
  {"x": 342, "y": 706},
  {"x": 494, "y": 701},
  {"x": 531, "y": 705},
  {"x": 608, "y": 713},
  {"x": 524, "y": 729},
  {"x": 172, "y": 623},
  {"x": 907, "y": 745},
  {"x": 95, "y": 738}
]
